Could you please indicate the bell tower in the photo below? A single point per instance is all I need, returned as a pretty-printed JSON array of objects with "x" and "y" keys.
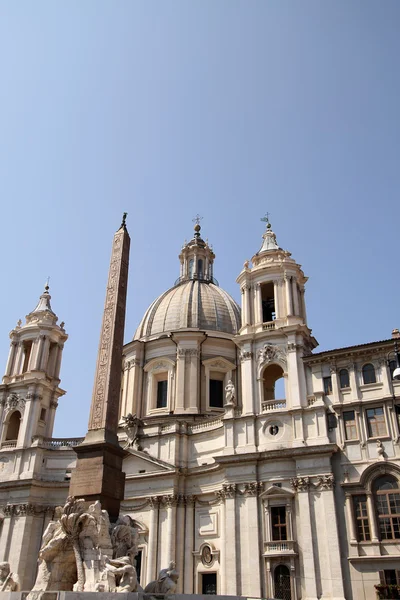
[
  {"x": 274, "y": 333},
  {"x": 30, "y": 390}
]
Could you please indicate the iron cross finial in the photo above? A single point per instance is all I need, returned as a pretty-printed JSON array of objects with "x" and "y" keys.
[
  {"x": 197, "y": 219},
  {"x": 266, "y": 220}
]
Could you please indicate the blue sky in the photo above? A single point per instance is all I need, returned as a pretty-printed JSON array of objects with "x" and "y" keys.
[{"x": 227, "y": 108}]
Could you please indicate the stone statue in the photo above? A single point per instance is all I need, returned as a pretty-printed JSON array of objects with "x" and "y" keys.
[
  {"x": 79, "y": 548},
  {"x": 166, "y": 582},
  {"x": 380, "y": 450},
  {"x": 124, "y": 574},
  {"x": 230, "y": 393},
  {"x": 131, "y": 424},
  {"x": 124, "y": 539},
  {"x": 9, "y": 582}
]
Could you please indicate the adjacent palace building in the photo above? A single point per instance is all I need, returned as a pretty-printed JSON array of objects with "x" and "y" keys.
[{"x": 260, "y": 466}]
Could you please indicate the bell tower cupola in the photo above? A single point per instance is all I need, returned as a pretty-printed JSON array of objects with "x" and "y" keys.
[
  {"x": 272, "y": 288},
  {"x": 30, "y": 389},
  {"x": 197, "y": 258}
]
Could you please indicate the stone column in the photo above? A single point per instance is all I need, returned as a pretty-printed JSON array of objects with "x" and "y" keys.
[
  {"x": 189, "y": 545},
  {"x": 180, "y": 380},
  {"x": 295, "y": 296},
  {"x": 371, "y": 518},
  {"x": 353, "y": 381},
  {"x": 303, "y": 305},
  {"x": 243, "y": 303},
  {"x": 277, "y": 299},
  {"x": 153, "y": 540},
  {"x": 384, "y": 369},
  {"x": 230, "y": 540},
  {"x": 253, "y": 542},
  {"x": 335, "y": 383},
  {"x": 11, "y": 356},
  {"x": 335, "y": 577},
  {"x": 58, "y": 361},
  {"x": 18, "y": 359},
  {"x": 51, "y": 418},
  {"x": 350, "y": 519},
  {"x": 223, "y": 553},
  {"x": 289, "y": 303},
  {"x": 193, "y": 357},
  {"x": 171, "y": 502},
  {"x": 45, "y": 354},
  {"x": 247, "y": 304},
  {"x": 305, "y": 538},
  {"x": 246, "y": 366},
  {"x": 180, "y": 541}
]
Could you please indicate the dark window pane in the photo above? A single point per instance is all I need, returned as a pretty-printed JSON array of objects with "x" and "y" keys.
[
  {"x": 350, "y": 427},
  {"x": 216, "y": 393},
  {"x": 344, "y": 378},
  {"x": 368, "y": 373},
  {"x": 278, "y": 521},
  {"x": 376, "y": 422},
  {"x": 162, "y": 389},
  {"x": 328, "y": 385},
  {"x": 361, "y": 516}
]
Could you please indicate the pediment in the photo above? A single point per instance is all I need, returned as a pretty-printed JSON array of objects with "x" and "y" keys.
[
  {"x": 138, "y": 462},
  {"x": 276, "y": 492}
]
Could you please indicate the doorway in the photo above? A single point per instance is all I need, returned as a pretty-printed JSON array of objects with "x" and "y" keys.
[
  {"x": 282, "y": 583},
  {"x": 209, "y": 583}
]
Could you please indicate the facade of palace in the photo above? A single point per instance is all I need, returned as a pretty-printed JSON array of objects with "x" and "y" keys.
[{"x": 261, "y": 467}]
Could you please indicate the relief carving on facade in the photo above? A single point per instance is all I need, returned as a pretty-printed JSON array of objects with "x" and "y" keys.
[
  {"x": 245, "y": 355},
  {"x": 300, "y": 484},
  {"x": 130, "y": 425},
  {"x": 326, "y": 481},
  {"x": 15, "y": 402},
  {"x": 271, "y": 353},
  {"x": 253, "y": 488},
  {"x": 9, "y": 582}
]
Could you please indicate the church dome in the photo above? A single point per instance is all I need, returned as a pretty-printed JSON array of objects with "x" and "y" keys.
[{"x": 196, "y": 301}]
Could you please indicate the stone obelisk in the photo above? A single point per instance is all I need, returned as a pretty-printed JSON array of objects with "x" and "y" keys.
[{"x": 98, "y": 474}]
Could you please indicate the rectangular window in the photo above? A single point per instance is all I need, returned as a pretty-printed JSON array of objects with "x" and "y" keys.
[
  {"x": 209, "y": 584},
  {"x": 361, "y": 515},
  {"x": 43, "y": 414},
  {"x": 327, "y": 385},
  {"x": 278, "y": 523},
  {"x": 216, "y": 393},
  {"x": 162, "y": 390},
  {"x": 389, "y": 577},
  {"x": 376, "y": 422},
  {"x": 350, "y": 427}
]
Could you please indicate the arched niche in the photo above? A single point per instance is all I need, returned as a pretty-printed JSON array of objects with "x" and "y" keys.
[{"x": 12, "y": 426}]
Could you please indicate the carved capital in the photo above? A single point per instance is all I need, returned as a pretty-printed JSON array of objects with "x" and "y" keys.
[
  {"x": 170, "y": 501},
  {"x": 154, "y": 501},
  {"x": 326, "y": 482},
  {"x": 300, "y": 484},
  {"x": 253, "y": 488},
  {"x": 245, "y": 355}
]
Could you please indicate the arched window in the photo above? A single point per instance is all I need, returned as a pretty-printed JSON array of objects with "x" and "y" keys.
[
  {"x": 273, "y": 384},
  {"x": 13, "y": 426},
  {"x": 387, "y": 502},
  {"x": 282, "y": 582},
  {"x": 200, "y": 273},
  {"x": 344, "y": 378},
  {"x": 368, "y": 373},
  {"x": 191, "y": 266}
]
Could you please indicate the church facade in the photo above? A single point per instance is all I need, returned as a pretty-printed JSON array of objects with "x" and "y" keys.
[{"x": 261, "y": 467}]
